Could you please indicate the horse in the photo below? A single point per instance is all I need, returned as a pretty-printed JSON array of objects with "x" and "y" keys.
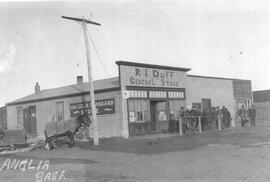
[
  {"x": 82, "y": 121},
  {"x": 54, "y": 130}
]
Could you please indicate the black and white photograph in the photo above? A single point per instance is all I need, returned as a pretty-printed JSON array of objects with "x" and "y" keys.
[{"x": 135, "y": 91}]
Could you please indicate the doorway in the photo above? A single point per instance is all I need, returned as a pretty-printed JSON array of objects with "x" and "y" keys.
[
  {"x": 206, "y": 104},
  {"x": 29, "y": 118},
  {"x": 159, "y": 119}
]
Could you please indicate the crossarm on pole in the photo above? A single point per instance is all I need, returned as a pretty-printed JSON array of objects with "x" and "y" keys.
[{"x": 81, "y": 20}]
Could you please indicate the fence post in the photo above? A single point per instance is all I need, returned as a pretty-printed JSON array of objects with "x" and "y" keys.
[
  {"x": 219, "y": 122},
  {"x": 180, "y": 126},
  {"x": 200, "y": 124}
]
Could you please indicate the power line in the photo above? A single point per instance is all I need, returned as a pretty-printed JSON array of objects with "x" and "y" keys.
[{"x": 100, "y": 59}]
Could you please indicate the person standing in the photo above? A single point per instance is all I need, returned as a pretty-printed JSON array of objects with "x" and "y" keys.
[
  {"x": 194, "y": 120},
  {"x": 242, "y": 114},
  {"x": 171, "y": 127},
  {"x": 226, "y": 118},
  {"x": 252, "y": 115},
  {"x": 223, "y": 110}
]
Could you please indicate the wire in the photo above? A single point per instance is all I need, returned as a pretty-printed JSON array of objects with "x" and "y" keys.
[
  {"x": 97, "y": 53},
  {"x": 75, "y": 47}
]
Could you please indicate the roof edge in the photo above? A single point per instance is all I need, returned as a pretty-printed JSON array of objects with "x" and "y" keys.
[
  {"x": 127, "y": 63},
  {"x": 63, "y": 96},
  {"x": 268, "y": 90},
  {"x": 221, "y": 78}
]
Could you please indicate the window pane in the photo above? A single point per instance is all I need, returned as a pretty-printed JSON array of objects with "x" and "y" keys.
[
  {"x": 139, "y": 116},
  {"x": 19, "y": 116},
  {"x": 60, "y": 111}
]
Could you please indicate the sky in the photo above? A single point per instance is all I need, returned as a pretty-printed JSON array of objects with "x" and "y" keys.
[{"x": 224, "y": 38}]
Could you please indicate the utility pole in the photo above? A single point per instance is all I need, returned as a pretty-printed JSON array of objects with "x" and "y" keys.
[{"x": 90, "y": 75}]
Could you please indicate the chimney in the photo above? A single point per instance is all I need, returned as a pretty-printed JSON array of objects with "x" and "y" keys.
[
  {"x": 79, "y": 80},
  {"x": 37, "y": 88}
]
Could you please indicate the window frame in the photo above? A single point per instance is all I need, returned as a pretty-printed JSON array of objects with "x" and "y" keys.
[
  {"x": 56, "y": 111},
  {"x": 19, "y": 117}
]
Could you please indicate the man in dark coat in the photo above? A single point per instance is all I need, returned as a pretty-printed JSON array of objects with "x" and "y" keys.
[
  {"x": 252, "y": 115},
  {"x": 226, "y": 118},
  {"x": 223, "y": 110},
  {"x": 194, "y": 121}
]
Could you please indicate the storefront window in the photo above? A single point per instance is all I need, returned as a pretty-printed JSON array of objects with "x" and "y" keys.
[
  {"x": 139, "y": 111},
  {"x": 162, "y": 116},
  {"x": 139, "y": 116},
  {"x": 132, "y": 117}
]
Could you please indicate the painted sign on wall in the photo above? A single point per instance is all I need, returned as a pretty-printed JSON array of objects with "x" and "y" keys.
[
  {"x": 106, "y": 106},
  {"x": 242, "y": 88},
  {"x": 152, "y": 77}
]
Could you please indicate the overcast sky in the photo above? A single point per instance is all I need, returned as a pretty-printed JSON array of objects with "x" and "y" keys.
[{"x": 213, "y": 38}]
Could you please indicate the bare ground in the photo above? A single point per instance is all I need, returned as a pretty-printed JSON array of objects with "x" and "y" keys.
[{"x": 238, "y": 154}]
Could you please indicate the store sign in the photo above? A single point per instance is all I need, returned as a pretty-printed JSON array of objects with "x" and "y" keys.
[
  {"x": 106, "y": 106},
  {"x": 150, "y": 77}
]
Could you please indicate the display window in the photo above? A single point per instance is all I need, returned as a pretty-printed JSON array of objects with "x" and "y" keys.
[
  {"x": 139, "y": 111},
  {"x": 162, "y": 116}
]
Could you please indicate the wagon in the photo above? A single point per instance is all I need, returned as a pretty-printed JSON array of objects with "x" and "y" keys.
[{"x": 62, "y": 132}]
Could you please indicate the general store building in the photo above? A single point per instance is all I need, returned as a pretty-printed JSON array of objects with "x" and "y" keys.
[{"x": 138, "y": 101}]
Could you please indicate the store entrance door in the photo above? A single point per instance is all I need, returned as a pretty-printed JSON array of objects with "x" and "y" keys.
[
  {"x": 26, "y": 120},
  {"x": 158, "y": 116},
  {"x": 153, "y": 111}
]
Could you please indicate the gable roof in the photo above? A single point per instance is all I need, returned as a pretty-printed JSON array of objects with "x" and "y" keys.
[
  {"x": 261, "y": 96},
  {"x": 103, "y": 85}
]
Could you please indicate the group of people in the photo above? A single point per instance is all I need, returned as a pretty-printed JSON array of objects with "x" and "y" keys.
[
  {"x": 209, "y": 118},
  {"x": 247, "y": 115}
]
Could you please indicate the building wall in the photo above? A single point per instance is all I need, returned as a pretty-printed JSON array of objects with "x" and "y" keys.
[
  {"x": 220, "y": 91},
  {"x": 262, "y": 113},
  {"x": 242, "y": 89},
  {"x": 109, "y": 125},
  {"x": 3, "y": 117},
  {"x": 243, "y": 96}
]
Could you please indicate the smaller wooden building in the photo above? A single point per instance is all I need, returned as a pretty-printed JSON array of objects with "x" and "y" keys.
[
  {"x": 262, "y": 106},
  {"x": 3, "y": 117}
]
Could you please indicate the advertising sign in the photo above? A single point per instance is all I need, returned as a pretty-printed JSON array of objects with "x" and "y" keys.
[
  {"x": 152, "y": 77},
  {"x": 106, "y": 106}
]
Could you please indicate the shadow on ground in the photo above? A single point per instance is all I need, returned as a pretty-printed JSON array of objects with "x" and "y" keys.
[{"x": 241, "y": 137}]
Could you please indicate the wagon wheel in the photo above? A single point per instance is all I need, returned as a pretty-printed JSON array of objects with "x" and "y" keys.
[
  {"x": 52, "y": 144},
  {"x": 70, "y": 135},
  {"x": 50, "y": 141}
]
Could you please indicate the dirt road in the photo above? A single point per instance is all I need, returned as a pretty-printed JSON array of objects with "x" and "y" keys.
[{"x": 237, "y": 154}]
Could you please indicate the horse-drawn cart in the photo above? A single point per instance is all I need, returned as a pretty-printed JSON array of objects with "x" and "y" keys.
[{"x": 62, "y": 132}]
